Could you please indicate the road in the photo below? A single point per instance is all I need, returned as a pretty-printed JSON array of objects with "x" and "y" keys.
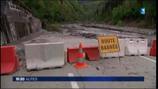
[{"x": 125, "y": 66}]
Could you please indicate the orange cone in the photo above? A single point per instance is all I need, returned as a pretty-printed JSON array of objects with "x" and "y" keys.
[
  {"x": 81, "y": 46},
  {"x": 81, "y": 57}
]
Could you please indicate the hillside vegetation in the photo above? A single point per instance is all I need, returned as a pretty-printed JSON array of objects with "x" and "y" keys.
[{"x": 116, "y": 12}]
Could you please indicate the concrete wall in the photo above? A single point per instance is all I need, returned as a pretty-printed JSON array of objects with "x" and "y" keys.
[{"x": 17, "y": 22}]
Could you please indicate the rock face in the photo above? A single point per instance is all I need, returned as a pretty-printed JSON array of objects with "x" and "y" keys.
[{"x": 16, "y": 22}]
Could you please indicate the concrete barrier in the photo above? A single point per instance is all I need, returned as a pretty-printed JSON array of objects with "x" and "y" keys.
[{"x": 44, "y": 55}]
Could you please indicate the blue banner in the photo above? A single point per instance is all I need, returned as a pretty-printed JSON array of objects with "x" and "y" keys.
[{"x": 76, "y": 78}]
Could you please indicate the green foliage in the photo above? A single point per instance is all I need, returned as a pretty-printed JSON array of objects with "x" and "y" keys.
[
  {"x": 128, "y": 10},
  {"x": 115, "y": 11},
  {"x": 125, "y": 11},
  {"x": 55, "y": 10},
  {"x": 120, "y": 23},
  {"x": 53, "y": 27}
]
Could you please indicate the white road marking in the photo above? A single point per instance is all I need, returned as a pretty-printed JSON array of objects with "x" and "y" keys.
[
  {"x": 149, "y": 59},
  {"x": 73, "y": 83}
]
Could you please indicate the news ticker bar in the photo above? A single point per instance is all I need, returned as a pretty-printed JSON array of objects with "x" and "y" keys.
[{"x": 76, "y": 78}]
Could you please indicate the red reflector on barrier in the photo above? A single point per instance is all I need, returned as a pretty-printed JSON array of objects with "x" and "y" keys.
[
  {"x": 72, "y": 54},
  {"x": 153, "y": 48},
  {"x": 92, "y": 53},
  {"x": 154, "y": 44},
  {"x": 152, "y": 52},
  {"x": 9, "y": 62}
]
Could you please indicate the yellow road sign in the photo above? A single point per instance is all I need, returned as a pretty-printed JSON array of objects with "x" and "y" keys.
[{"x": 108, "y": 44}]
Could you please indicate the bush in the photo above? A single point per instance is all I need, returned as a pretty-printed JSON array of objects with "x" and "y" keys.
[
  {"x": 53, "y": 27},
  {"x": 120, "y": 23},
  {"x": 123, "y": 12}
]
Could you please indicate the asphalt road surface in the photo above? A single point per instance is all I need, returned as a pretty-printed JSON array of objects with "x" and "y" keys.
[{"x": 125, "y": 66}]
